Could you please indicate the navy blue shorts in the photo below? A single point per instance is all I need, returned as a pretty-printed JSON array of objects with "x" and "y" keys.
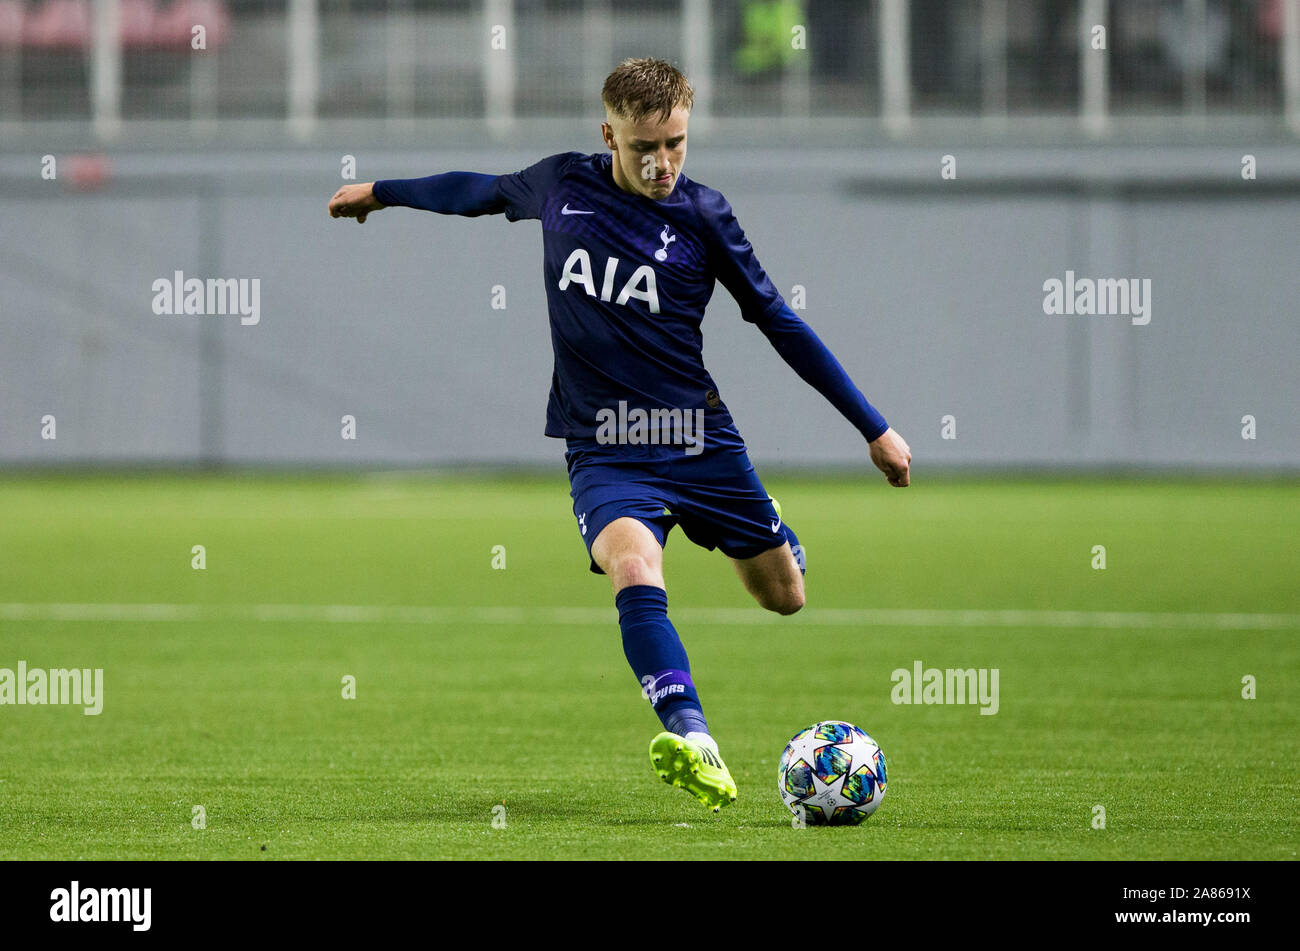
[{"x": 715, "y": 495}]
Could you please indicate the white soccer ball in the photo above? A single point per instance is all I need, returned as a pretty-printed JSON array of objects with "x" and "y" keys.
[{"x": 832, "y": 773}]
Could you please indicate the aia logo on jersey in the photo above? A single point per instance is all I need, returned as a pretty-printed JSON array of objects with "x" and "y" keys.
[{"x": 640, "y": 284}]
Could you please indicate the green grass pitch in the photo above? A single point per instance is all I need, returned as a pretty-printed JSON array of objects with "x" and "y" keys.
[{"x": 511, "y": 689}]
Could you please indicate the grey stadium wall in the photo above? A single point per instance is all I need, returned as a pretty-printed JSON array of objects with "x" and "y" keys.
[{"x": 929, "y": 290}]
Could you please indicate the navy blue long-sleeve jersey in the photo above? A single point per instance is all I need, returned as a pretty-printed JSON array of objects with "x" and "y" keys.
[{"x": 627, "y": 282}]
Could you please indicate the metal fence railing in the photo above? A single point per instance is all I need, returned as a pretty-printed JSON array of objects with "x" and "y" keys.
[{"x": 306, "y": 62}]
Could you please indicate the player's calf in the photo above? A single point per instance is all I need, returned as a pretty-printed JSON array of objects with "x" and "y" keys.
[
  {"x": 784, "y": 599},
  {"x": 774, "y": 579}
]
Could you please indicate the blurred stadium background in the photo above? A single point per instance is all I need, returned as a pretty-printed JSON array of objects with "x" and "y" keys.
[{"x": 825, "y": 122}]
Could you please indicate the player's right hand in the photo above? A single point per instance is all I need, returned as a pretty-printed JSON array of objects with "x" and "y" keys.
[
  {"x": 354, "y": 201},
  {"x": 892, "y": 456}
]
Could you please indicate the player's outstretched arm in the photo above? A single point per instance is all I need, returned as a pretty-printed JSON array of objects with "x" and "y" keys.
[
  {"x": 451, "y": 193},
  {"x": 355, "y": 201},
  {"x": 738, "y": 269},
  {"x": 469, "y": 194}
]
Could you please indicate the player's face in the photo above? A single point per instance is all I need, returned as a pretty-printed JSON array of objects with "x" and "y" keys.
[{"x": 648, "y": 155}]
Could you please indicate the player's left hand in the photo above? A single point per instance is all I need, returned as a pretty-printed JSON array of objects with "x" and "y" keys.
[{"x": 892, "y": 456}]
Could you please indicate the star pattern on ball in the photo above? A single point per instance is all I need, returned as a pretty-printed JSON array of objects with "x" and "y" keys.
[{"x": 832, "y": 774}]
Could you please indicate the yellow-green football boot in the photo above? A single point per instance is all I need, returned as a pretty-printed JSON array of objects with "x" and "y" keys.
[{"x": 695, "y": 766}]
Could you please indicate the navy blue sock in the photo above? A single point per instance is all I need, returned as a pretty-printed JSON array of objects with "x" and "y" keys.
[
  {"x": 654, "y": 650},
  {"x": 795, "y": 547}
]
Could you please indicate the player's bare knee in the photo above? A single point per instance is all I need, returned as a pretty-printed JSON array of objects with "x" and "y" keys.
[{"x": 632, "y": 568}]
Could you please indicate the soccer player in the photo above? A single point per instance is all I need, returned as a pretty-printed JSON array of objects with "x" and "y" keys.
[{"x": 632, "y": 250}]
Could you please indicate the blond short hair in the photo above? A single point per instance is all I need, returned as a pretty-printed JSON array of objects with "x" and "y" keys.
[{"x": 639, "y": 88}]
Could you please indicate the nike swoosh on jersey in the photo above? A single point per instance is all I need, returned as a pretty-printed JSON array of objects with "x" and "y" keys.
[{"x": 566, "y": 210}]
